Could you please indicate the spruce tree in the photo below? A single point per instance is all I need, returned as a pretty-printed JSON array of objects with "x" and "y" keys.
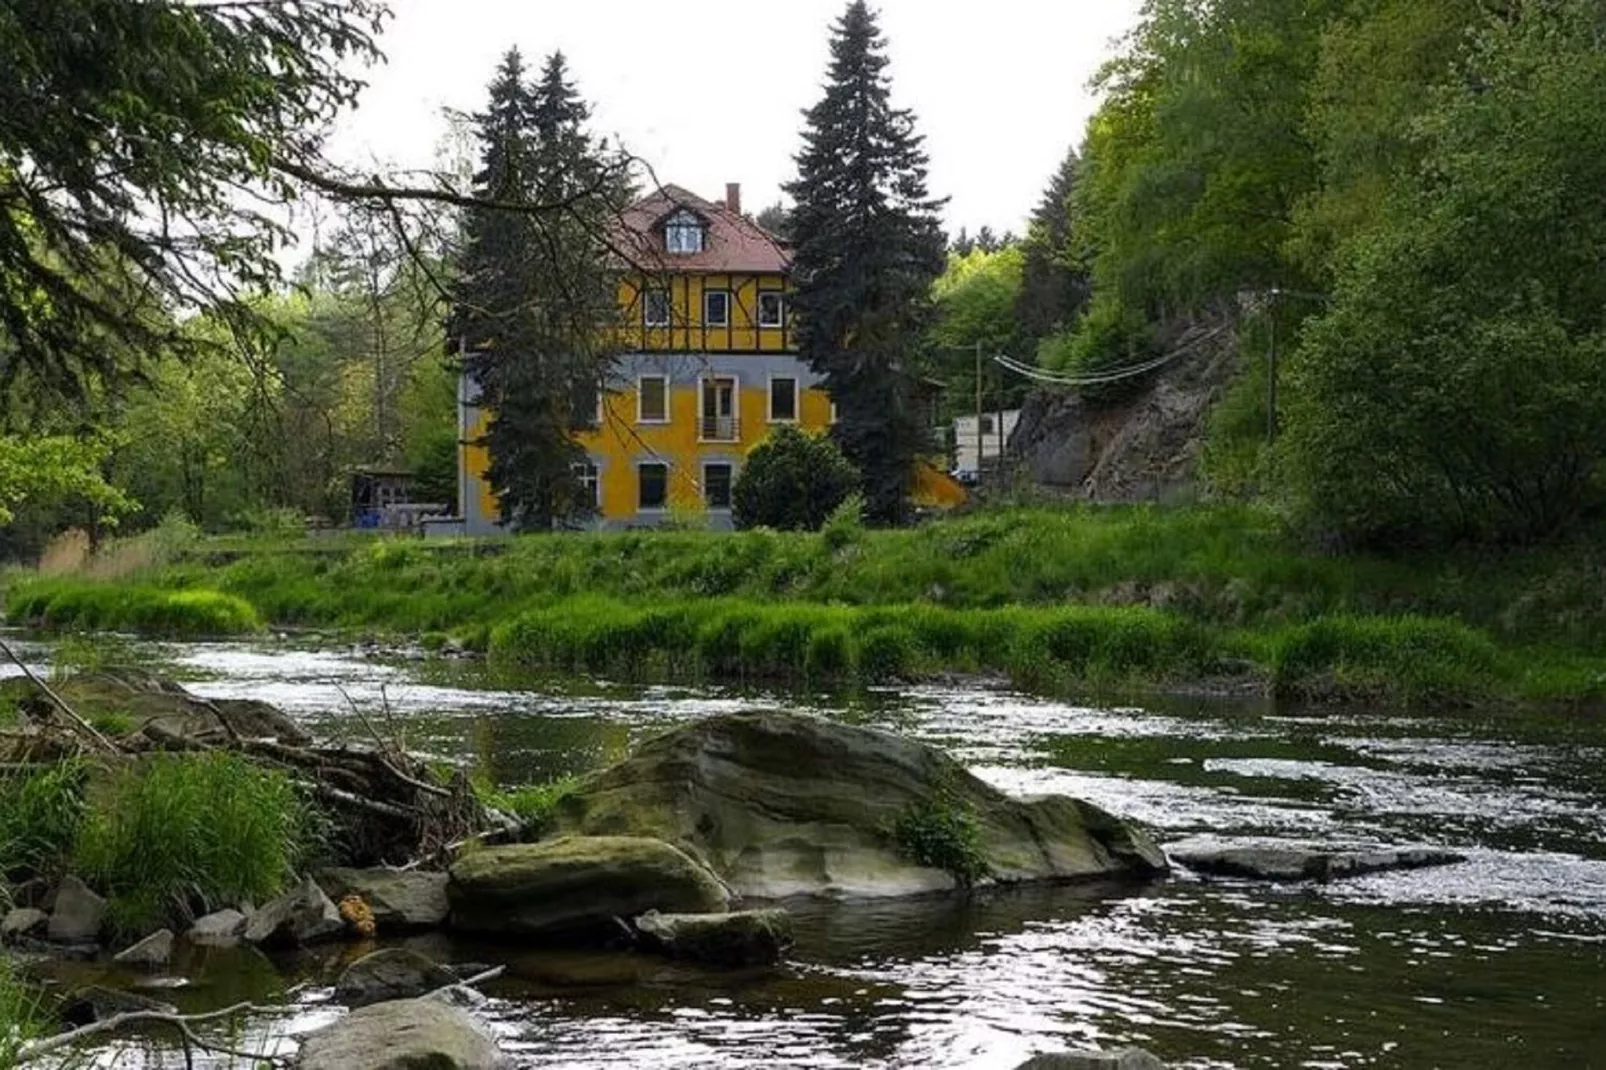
[
  {"x": 867, "y": 246},
  {"x": 1054, "y": 287},
  {"x": 534, "y": 292}
]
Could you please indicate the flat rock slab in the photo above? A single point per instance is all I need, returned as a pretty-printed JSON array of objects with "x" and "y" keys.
[
  {"x": 155, "y": 951},
  {"x": 576, "y": 885},
  {"x": 405, "y": 1034},
  {"x": 1294, "y": 863},
  {"x": 399, "y": 899},
  {"x": 390, "y": 973},
  {"x": 782, "y": 805},
  {"x": 743, "y": 938}
]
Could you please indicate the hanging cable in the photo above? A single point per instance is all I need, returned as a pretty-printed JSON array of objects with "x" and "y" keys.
[{"x": 1048, "y": 378}]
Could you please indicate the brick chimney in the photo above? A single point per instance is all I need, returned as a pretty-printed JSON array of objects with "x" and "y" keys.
[{"x": 733, "y": 197}]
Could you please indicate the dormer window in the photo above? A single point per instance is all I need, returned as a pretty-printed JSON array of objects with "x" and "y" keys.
[{"x": 683, "y": 233}]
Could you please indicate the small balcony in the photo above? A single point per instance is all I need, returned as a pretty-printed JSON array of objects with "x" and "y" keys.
[{"x": 719, "y": 429}]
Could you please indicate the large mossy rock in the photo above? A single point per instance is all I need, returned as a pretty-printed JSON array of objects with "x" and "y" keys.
[
  {"x": 576, "y": 886},
  {"x": 781, "y": 805},
  {"x": 404, "y": 1034}
]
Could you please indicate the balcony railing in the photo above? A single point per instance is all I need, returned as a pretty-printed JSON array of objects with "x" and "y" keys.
[{"x": 719, "y": 429}]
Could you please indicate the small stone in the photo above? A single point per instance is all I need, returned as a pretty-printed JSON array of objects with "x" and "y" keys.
[
  {"x": 78, "y": 915},
  {"x": 743, "y": 938},
  {"x": 303, "y": 916},
  {"x": 403, "y": 1034},
  {"x": 23, "y": 921},
  {"x": 400, "y": 899},
  {"x": 222, "y": 929},
  {"x": 390, "y": 973},
  {"x": 1125, "y": 1059},
  {"x": 155, "y": 950}
]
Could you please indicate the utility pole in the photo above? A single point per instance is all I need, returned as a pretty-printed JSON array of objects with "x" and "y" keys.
[{"x": 978, "y": 413}]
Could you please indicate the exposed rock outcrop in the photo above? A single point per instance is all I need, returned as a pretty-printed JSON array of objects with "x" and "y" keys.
[
  {"x": 78, "y": 913},
  {"x": 577, "y": 886},
  {"x": 781, "y": 805},
  {"x": 303, "y": 916},
  {"x": 743, "y": 938},
  {"x": 1145, "y": 448},
  {"x": 224, "y": 928},
  {"x": 399, "y": 899},
  {"x": 1124, "y": 1059},
  {"x": 403, "y": 1034}
]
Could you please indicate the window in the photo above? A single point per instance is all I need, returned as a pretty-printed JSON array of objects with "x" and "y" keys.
[
  {"x": 652, "y": 399},
  {"x": 783, "y": 400},
  {"x": 717, "y": 486},
  {"x": 585, "y": 473},
  {"x": 683, "y": 233},
  {"x": 716, "y": 308},
  {"x": 655, "y": 308},
  {"x": 771, "y": 309},
  {"x": 653, "y": 485}
]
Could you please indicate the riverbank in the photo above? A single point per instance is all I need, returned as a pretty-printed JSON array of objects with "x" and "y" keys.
[{"x": 1052, "y": 599}]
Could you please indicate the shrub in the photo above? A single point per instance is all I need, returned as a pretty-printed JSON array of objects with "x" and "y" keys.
[
  {"x": 40, "y": 815},
  {"x": 180, "y": 831},
  {"x": 943, "y": 834},
  {"x": 1408, "y": 657},
  {"x": 886, "y": 652},
  {"x": 792, "y": 481}
]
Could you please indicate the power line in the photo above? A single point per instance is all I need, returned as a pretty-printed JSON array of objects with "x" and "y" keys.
[{"x": 1038, "y": 375}]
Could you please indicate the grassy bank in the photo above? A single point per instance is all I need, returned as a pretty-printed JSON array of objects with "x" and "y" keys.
[{"x": 1050, "y": 597}]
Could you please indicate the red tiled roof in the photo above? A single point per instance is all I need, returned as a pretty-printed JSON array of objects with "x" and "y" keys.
[{"x": 731, "y": 241}]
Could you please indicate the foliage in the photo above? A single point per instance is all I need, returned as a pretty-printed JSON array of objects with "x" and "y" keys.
[
  {"x": 56, "y": 471},
  {"x": 140, "y": 143},
  {"x": 1053, "y": 285},
  {"x": 181, "y": 832},
  {"x": 792, "y": 481},
  {"x": 21, "y": 1013},
  {"x": 534, "y": 296},
  {"x": 40, "y": 814},
  {"x": 976, "y": 301},
  {"x": 867, "y": 246},
  {"x": 1456, "y": 388},
  {"x": 533, "y": 805},
  {"x": 944, "y": 834},
  {"x": 192, "y": 612}
]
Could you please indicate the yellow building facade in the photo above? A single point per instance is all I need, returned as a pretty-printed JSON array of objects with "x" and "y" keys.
[{"x": 707, "y": 369}]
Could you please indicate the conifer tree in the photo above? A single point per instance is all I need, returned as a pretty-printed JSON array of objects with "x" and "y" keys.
[
  {"x": 867, "y": 246},
  {"x": 1054, "y": 287},
  {"x": 534, "y": 291}
]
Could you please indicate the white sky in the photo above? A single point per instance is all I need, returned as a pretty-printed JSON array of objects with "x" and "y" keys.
[{"x": 711, "y": 92}]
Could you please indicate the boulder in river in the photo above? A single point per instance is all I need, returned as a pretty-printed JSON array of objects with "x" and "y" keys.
[
  {"x": 390, "y": 973},
  {"x": 1291, "y": 862},
  {"x": 78, "y": 913},
  {"x": 21, "y": 922},
  {"x": 302, "y": 916},
  {"x": 399, "y": 899},
  {"x": 576, "y": 886},
  {"x": 224, "y": 928},
  {"x": 153, "y": 952},
  {"x": 782, "y": 805},
  {"x": 403, "y": 1034},
  {"x": 743, "y": 938}
]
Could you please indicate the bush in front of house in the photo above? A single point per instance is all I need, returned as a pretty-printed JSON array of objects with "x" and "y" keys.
[{"x": 792, "y": 481}]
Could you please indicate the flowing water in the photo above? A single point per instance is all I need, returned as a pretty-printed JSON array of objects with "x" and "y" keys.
[{"x": 1498, "y": 961}]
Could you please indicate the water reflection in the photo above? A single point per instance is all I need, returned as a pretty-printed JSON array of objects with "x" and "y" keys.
[{"x": 1494, "y": 962}]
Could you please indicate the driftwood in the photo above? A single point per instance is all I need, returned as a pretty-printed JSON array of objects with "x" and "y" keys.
[{"x": 384, "y": 806}]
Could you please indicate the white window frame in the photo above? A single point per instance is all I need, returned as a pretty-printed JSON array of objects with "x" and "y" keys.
[
  {"x": 730, "y": 489},
  {"x": 833, "y": 412},
  {"x": 580, "y": 468},
  {"x": 780, "y": 304},
  {"x": 797, "y": 400},
  {"x": 641, "y": 409},
  {"x": 668, "y": 474},
  {"x": 736, "y": 405},
  {"x": 707, "y": 321},
  {"x": 681, "y": 223},
  {"x": 646, "y": 308}
]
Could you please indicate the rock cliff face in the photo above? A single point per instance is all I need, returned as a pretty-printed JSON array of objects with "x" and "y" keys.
[{"x": 1143, "y": 449}]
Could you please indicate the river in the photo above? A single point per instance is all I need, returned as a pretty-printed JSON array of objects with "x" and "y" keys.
[{"x": 1498, "y": 961}]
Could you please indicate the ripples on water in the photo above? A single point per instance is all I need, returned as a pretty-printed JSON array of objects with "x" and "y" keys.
[{"x": 1499, "y": 961}]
